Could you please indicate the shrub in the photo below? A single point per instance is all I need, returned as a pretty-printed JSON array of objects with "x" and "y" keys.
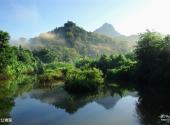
[
  {"x": 50, "y": 76},
  {"x": 123, "y": 73},
  {"x": 59, "y": 65},
  {"x": 83, "y": 80}
]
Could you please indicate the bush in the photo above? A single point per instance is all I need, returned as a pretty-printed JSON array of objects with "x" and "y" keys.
[
  {"x": 84, "y": 62},
  {"x": 123, "y": 73},
  {"x": 50, "y": 76},
  {"x": 59, "y": 65},
  {"x": 83, "y": 80},
  {"x": 54, "y": 71}
]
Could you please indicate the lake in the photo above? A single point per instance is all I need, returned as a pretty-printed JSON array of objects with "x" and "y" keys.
[{"x": 55, "y": 106}]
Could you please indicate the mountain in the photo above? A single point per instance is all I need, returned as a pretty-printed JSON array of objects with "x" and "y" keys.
[
  {"x": 107, "y": 30},
  {"x": 72, "y": 40}
]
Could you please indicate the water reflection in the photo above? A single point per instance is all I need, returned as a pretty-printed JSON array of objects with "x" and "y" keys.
[
  {"x": 153, "y": 102},
  {"x": 11, "y": 89},
  {"x": 31, "y": 104},
  {"x": 108, "y": 102},
  {"x": 56, "y": 106},
  {"x": 71, "y": 103},
  {"x": 58, "y": 97}
]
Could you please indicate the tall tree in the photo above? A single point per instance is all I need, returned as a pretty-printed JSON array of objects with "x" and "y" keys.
[{"x": 4, "y": 39}]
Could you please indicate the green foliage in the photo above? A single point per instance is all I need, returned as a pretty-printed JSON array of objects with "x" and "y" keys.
[
  {"x": 45, "y": 55},
  {"x": 54, "y": 71},
  {"x": 83, "y": 80},
  {"x": 59, "y": 53},
  {"x": 22, "y": 61},
  {"x": 50, "y": 76},
  {"x": 123, "y": 73},
  {"x": 114, "y": 67},
  {"x": 153, "y": 56},
  {"x": 70, "y": 41},
  {"x": 14, "y": 61},
  {"x": 84, "y": 62},
  {"x": 67, "y": 54},
  {"x": 150, "y": 63},
  {"x": 58, "y": 65},
  {"x": 10, "y": 89},
  {"x": 113, "y": 61},
  {"x": 4, "y": 39},
  {"x": 5, "y": 51}
]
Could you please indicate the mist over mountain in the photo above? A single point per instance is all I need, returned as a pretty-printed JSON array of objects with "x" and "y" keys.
[
  {"x": 24, "y": 42},
  {"x": 72, "y": 40}
]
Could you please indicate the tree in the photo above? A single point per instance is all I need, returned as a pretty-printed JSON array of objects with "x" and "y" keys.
[
  {"x": 4, "y": 39},
  {"x": 153, "y": 56},
  {"x": 5, "y": 51},
  {"x": 14, "y": 60},
  {"x": 45, "y": 55}
]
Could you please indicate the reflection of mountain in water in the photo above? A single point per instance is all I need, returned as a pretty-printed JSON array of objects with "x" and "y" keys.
[
  {"x": 71, "y": 103},
  {"x": 50, "y": 96},
  {"x": 108, "y": 102}
]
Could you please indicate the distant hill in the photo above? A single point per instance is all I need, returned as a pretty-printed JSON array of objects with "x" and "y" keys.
[
  {"x": 107, "y": 30},
  {"x": 72, "y": 39}
]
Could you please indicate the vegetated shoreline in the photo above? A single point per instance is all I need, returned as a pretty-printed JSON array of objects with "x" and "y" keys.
[{"x": 148, "y": 64}]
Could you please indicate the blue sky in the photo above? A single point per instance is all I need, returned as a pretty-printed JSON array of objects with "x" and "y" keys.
[{"x": 29, "y": 18}]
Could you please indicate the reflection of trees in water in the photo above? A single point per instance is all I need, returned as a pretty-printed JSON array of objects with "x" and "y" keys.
[
  {"x": 152, "y": 103},
  {"x": 61, "y": 99},
  {"x": 71, "y": 103},
  {"x": 6, "y": 105},
  {"x": 11, "y": 89}
]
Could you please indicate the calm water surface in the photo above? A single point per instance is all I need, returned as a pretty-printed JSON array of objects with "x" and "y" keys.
[
  {"x": 28, "y": 104},
  {"x": 57, "y": 107}
]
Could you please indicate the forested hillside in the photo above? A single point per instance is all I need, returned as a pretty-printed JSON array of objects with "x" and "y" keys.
[{"x": 71, "y": 41}]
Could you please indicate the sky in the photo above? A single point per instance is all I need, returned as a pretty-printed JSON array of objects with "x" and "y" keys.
[{"x": 29, "y": 18}]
